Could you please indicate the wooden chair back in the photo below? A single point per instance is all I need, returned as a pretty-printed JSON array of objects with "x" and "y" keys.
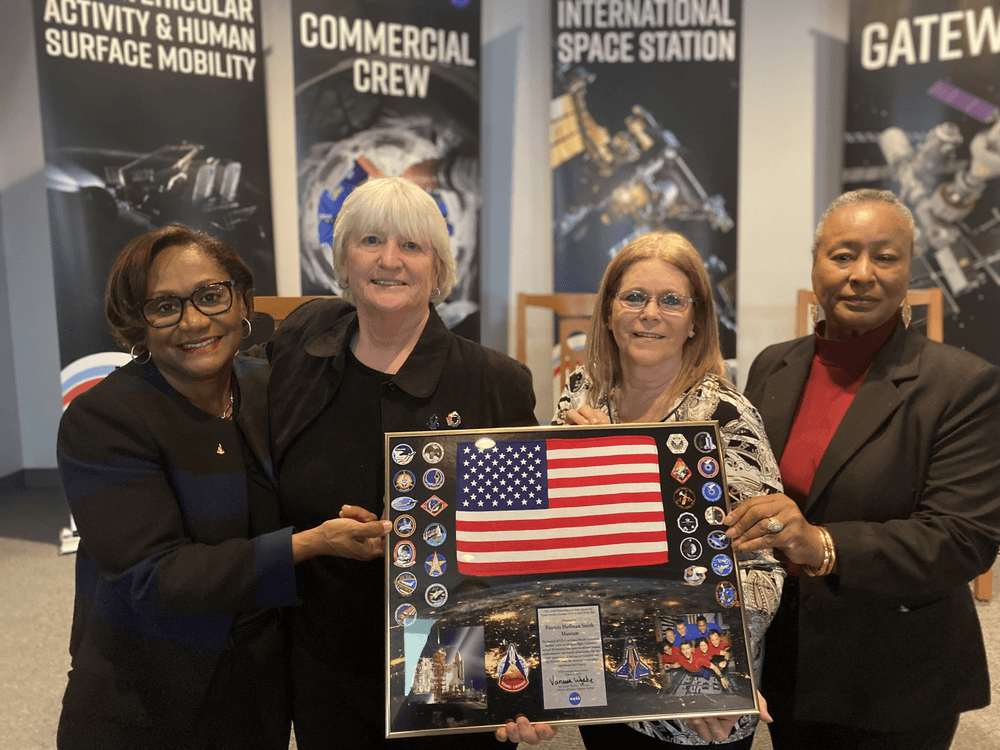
[
  {"x": 268, "y": 314},
  {"x": 918, "y": 298},
  {"x": 572, "y": 313},
  {"x": 279, "y": 308}
]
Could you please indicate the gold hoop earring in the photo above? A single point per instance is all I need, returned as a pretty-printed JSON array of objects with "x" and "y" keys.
[{"x": 249, "y": 329}]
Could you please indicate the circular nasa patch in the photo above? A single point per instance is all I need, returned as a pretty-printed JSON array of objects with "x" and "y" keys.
[
  {"x": 432, "y": 453},
  {"x": 433, "y": 479},
  {"x": 404, "y": 525},
  {"x": 404, "y": 481},
  {"x": 405, "y": 583},
  {"x": 402, "y": 454},
  {"x": 722, "y": 565},
  {"x": 406, "y": 614},
  {"x": 435, "y": 534},
  {"x": 691, "y": 548},
  {"x": 436, "y": 595},
  {"x": 725, "y": 594},
  {"x": 711, "y": 491}
]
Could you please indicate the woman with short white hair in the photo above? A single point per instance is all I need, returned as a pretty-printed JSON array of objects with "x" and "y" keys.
[{"x": 345, "y": 372}]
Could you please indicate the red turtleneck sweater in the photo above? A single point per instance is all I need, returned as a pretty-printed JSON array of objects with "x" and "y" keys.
[{"x": 838, "y": 369}]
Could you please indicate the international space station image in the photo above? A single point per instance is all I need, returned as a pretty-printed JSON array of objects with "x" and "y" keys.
[
  {"x": 943, "y": 181},
  {"x": 659, "y": 185},
  {"x": 624, "y": 184}
]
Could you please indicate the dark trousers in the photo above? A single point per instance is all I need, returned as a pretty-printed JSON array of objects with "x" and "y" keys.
[
  {"x": 245, "y": 706},
  {"x": 778, "y": 686}
]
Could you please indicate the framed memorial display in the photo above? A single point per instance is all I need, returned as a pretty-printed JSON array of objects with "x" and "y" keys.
[{"x": 573, "y": 575}]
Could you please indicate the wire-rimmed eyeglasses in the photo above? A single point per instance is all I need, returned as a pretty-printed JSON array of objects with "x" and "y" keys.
[
  {"x": 671, "y": 302},
  {"x": 211, "y": 299}
]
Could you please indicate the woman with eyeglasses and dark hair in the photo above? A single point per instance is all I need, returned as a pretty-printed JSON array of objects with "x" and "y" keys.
[
  {"x": 653, "y": 356},
  {"x": 183, "y": 560}
]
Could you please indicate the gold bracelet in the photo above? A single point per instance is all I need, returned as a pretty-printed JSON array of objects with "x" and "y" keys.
[
  {"x": 828, "y": 545},
  {"x": 828, "y": 568},
  {"x": 829, "y": 556},
  {"x": 833, "y": 550},
  {"x": 812, "y": 570}
]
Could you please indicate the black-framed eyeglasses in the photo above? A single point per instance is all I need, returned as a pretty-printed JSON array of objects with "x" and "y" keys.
[
  {"x": 671, "y": 302},
  {"x": 212, "y": 299}
]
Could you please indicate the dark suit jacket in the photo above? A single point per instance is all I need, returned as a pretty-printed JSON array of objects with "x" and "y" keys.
[
  {"x": 174, "y": 547},
  {"x": 909, "y": 489}
]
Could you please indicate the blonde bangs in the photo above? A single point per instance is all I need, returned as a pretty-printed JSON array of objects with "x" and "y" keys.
[{"x": 406, "y": 210}]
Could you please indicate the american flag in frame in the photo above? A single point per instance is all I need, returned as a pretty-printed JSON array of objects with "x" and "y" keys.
[
  {"x": 558, "y": 505},
  {"x": 491, "y": 526}
]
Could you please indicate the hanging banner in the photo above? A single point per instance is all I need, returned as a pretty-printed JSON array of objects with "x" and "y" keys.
[
  {"x": 389, "y": 87},
  {"x": 922, "y": 121},
  {"x": 151, "y": 113},
  {"x": 644, "y": 136}
]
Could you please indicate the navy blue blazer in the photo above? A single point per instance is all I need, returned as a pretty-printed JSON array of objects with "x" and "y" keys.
[{"x": 173, "y": 546}]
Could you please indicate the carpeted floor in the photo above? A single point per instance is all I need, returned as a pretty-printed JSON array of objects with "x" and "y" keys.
[{"x": 36, "y": 591}]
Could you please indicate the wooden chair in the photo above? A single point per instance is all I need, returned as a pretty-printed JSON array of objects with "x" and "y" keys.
[
  {"x": 929, "y": 298},
  {"x": 982, "y": 586},
  {"x": 279, "y": 308},
  {"x": 572, "y": 313},
  {"x": 269, "y": 312}
]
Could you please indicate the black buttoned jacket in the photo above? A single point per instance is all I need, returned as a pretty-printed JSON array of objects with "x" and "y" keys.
[{"x": 909, "y": 489}]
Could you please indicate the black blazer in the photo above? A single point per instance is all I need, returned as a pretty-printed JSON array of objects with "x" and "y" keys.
[{"x": 909, "y": 489}]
